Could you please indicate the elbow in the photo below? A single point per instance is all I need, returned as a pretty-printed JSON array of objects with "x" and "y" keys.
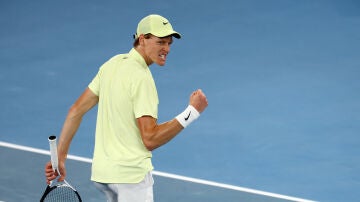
[
  {"x": 149, "y": 144},
  {"x": 74, "y": 112}
]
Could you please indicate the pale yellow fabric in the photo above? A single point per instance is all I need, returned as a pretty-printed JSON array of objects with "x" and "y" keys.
[{"x": 126, "y": 91}]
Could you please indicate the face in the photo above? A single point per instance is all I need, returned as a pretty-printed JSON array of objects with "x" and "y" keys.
[{"x": 156, "y": 49}]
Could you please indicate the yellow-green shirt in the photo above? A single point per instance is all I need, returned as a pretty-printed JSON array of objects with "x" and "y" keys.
[{"x": 126, "y": 91}]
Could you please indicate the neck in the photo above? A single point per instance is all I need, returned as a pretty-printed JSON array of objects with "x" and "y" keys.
[{"x": 141, "y": 51}]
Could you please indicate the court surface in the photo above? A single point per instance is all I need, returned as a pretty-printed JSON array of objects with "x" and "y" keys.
[
  {"x": 168, "y": 187},
  {"x": 281, "y": 77}
]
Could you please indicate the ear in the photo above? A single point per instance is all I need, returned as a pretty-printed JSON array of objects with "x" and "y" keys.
[{"x": 141, "y": 40}]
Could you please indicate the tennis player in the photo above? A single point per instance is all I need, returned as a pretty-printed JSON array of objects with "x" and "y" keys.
[{"x": 127, "y": 129}]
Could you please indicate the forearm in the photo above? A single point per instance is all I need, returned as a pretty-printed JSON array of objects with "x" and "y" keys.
[
  {"x": 155, "y": 135},
  {"x": 72, "y": 122},
  {"x": 164, "y": 132},
  {"x": 69, "y": 129}
]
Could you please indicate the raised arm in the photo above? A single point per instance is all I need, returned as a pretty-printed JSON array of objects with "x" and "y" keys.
[{"x": 154, "y": 135}]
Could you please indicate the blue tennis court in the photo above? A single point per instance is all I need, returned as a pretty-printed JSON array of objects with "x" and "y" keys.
[
  {"x": 168, "y": 187},
  {"x": 281, "y": 77}
]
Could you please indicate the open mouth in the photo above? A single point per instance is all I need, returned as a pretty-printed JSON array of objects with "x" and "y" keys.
[{"x": 163, "y": 56}]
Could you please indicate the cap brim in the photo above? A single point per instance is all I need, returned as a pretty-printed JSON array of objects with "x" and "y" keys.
[
  {"x": 176, "y": 35},
  {"x": 165, "y": 34}
]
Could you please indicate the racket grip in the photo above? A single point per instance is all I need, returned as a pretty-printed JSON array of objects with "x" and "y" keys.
[{"x": 53, "y": 152}]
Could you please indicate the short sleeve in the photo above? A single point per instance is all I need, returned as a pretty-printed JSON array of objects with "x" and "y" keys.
[
  {"x": 145, "y": 98},
  {"x": 94, "y": 85}
]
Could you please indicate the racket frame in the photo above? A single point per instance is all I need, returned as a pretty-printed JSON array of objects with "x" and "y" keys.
[{"x": 55, "y": 165}]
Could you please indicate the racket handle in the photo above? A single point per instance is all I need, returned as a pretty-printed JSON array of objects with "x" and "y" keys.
[{"x": 53, "y": 152}]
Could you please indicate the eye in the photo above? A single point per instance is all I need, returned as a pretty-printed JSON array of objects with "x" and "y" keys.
[
  {"x": 164, "y": 42},
  {"x": 161, "y": 42}
]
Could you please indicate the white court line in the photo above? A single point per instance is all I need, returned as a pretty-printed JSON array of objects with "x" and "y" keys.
[{"x": 168, "y": 175}]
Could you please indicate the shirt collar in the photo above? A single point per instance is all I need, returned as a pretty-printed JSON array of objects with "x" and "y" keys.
[{"x": 137, "y": 57}]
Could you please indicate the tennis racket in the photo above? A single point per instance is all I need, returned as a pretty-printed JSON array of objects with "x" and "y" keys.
[{"x": 58, "y": 191}]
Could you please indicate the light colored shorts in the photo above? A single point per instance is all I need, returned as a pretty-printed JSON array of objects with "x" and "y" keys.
[{"x": 139, "y": 192}]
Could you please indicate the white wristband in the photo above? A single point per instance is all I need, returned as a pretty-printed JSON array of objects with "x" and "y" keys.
[{"x": 189, "y": 115}]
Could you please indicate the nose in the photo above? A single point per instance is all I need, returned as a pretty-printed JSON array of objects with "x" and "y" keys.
[{"x": 167, "y": 48}]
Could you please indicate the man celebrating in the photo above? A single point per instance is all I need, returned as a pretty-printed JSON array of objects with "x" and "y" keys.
[{"x": 127, "y": 129}]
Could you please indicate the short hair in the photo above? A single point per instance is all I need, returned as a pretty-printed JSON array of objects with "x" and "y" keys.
[{"x": 136, "y": 42}]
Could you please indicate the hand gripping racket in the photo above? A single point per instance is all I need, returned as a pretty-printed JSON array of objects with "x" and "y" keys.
[{"x": 58, "y": 191}]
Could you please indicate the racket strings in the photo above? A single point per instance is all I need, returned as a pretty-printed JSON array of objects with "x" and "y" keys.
[{"x": 62, "y": 193}]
